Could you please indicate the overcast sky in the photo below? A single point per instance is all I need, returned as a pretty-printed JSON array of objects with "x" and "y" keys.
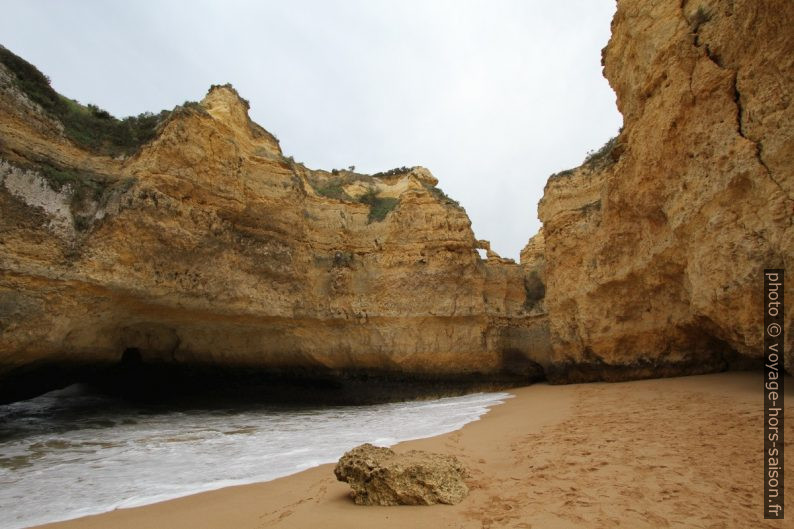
[{"x": 492, "y": 96}]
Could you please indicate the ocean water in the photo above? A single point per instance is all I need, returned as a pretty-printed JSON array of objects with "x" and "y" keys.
[{"x": 70, "y": 453}]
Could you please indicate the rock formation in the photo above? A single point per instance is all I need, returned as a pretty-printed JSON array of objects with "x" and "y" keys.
[
  {"x": 379, "y": 476},
  {"x": 205, "y": 245},
  {"x": 654, "y": 248},
  {"x": 188, "y": 238}
]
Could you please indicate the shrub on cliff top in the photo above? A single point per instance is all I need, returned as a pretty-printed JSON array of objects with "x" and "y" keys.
[
  {"x": 392, "y": 172},
  {"x": 88, "y": 126},
  {"x": 233, "y": 89},
  {"x": 603, "y": 156},
  {"x": 30, "y": 80},
  {"x": 333, "y": 186},
  {"x": 440, "y": 195}
]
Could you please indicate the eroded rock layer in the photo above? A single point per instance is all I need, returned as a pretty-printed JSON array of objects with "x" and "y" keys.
[
  {"x": 655, "y": 247},
  {"x": 379, "y": 476},
  {"x": 188, "y": 238},
  {"x": 208, "y": 246}
]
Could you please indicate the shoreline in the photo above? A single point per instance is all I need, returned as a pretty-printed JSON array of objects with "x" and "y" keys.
[
  {"x": 76, "y": 453},
  {"x": 586, "y": 455}
]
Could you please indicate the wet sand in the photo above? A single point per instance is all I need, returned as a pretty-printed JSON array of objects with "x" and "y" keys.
[{"x": 679, "y": 452}]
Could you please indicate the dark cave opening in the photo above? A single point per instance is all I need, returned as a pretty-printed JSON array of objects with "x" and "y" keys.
[{"x": 131, "y": 357}]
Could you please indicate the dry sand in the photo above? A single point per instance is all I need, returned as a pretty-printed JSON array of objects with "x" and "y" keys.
[{"x": 681, "y": 452}]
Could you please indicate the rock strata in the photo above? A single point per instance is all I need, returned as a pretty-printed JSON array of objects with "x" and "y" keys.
[
  {"x": 188, "y": 238},
  {"x": 654, "y": 248},
  {"x": 379, "y": 476},
  {"x": 206, "y": 246}
]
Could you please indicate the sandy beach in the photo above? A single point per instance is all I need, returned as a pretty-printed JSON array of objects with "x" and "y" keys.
[{"x": 678, "y": 452}]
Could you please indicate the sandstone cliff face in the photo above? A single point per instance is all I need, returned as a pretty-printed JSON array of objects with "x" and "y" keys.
[
  {"x": 654, "y": 249},
  {"x": 208, "y": 246}
]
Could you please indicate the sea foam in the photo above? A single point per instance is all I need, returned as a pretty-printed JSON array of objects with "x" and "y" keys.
[{"x": 70, "y": 453}]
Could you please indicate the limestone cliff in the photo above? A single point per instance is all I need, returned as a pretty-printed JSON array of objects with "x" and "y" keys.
[
  {"x": 188, "y": 238},
  {"x": 654, "y": 248},
  {"x": 206, "y": 245}
]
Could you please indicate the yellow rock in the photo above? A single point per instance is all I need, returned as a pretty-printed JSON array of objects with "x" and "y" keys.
[
  {"x": 654, "y": 250},
  {"x": 208, "y": 246}
]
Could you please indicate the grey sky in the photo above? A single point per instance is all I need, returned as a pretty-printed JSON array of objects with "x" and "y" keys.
[{"x": 491, "y": 96}]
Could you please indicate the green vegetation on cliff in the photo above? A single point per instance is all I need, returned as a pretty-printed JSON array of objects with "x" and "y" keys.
[
  {"x": 441, "y": 196},
  {"x": 608, "y": 154},
  {"x": 333, "y": 186},
  {"x": 88, "y": 126},
  {"x": 333, "y": 189},
  {"x": 379, "y": 207},
  {"x": 603, "y": 157}
]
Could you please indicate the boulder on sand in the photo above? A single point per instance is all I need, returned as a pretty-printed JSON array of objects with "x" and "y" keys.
[{"x": 380, "y": 476}]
